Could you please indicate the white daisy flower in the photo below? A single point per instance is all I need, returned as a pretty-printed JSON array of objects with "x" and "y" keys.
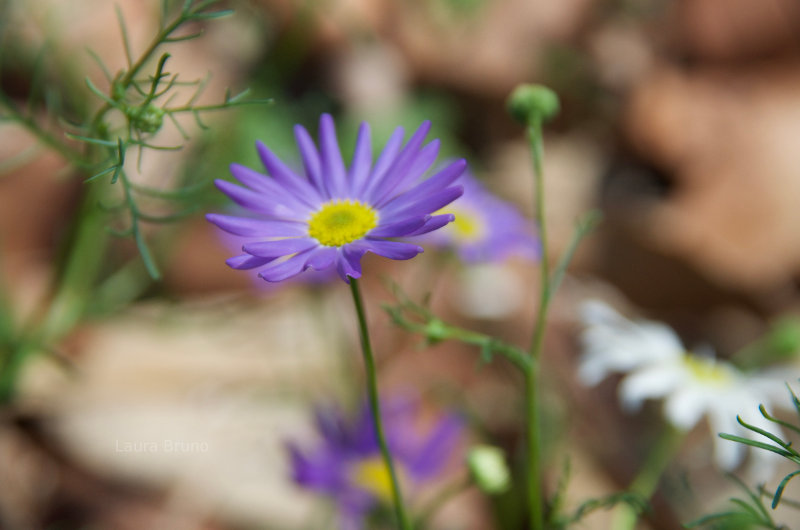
[{"x": 692, "y": 386}]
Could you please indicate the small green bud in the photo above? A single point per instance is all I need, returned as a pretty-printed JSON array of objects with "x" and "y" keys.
[
  {"x": 532, "y": 102},
  {"x": 147, "y": 119},
  {"x": 436, "y": 330},
  {"x": 117, "y": 91},
  {"x": 784, "y": 338},
  {"x": 487, "y": 465}
]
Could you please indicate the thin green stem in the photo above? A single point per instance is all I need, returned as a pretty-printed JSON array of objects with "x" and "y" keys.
[
  {"x": 374, "y": 405},
  {"x": 646, "y": 481},
  {"x": 533, "y": 469},
  {"x": 75, "y": 287},
  {"x": 437, "y": 330},
  {"x": 537, "y": 152}
]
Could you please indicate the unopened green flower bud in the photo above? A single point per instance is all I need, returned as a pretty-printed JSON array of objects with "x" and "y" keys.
[
  {"x": 436, "y": 330},
  {"x": 532, "y": 102},
  {"x": 487, "y": 465},
  {"x": 147, "y": 119}
]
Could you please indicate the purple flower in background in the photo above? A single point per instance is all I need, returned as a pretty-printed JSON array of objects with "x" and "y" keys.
[
  {"x": 347, "y": 466},
  {"x": 333, "y": 215},
  {"x": 486, "y": 228}
]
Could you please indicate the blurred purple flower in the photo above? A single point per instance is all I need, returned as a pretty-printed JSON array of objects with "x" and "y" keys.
[
  {"x": 333, "y": 215},
  {"x": 347, "y": 466},
  {"x": 486, "y": 228}
]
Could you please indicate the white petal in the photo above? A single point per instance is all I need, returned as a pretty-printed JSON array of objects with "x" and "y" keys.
[
  {"x": 593, "y": 369},
  {"x": 597, "y": 312},
  {"x": 685, "y": 407},
  {"x": 727, "y": 454},
  {"x": 615, "y": 344},
  {"x": 651, "y": 382}
]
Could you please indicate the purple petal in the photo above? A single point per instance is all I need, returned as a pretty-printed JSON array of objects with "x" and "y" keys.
[
  {"x": 437, "y": 182},
  {"x": 246, "y": 262},
  {"x": 384, "y": 163},
  {"x": 434, "y": 223},
  {"x": 429, "y": 204},
  {"x": 402, "y": 163},
  {"x": 322, "y": 258},
  {"x": 362, "y": 158},
  {"x": 332, "y": 426},
  {"x": 258, "y": 202},
  {"x": 280, "y": 247},
  {"x": 299, "y": 187},
  {"x": 421, "y": 163},
  {"x": 332, "y": 164},
  {"x": 262, "y": 183},
  {"x": 283, "y": 270},
  {"x": 243, "y": 226},
  {"x": 431, "y": 456},
  {"x": 310, "y": 156},
  {"x": 401, "y": 228},
  {"x": 390, "y": 249},
  {"x": 348, "y": 262},
  {"x": 316, "y": 471}
]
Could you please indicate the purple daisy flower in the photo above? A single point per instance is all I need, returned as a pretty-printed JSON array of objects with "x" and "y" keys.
[
  {"x": 333, "y": 215},
  {"x": 486, "y": 228},
  {"x": 347, "y": 465}
]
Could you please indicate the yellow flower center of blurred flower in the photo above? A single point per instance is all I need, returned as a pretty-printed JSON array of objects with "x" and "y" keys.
[
  {"x": 467, "y": 226},
  {"x": 706, "y": 370},
  {"x": 373, "y": 475},
  {"x": 339, "y": 222}
]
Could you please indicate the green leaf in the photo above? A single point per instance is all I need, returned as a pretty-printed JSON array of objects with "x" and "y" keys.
[
  {"x": 753, "y": 443},
  {"x": 95, "y": 141},
  {"x": 786, "y": 424},
  {"x": 124, "y": 32},
  {"x": 156, "y": 79},
  {"x": 99, "y": 93},
  {"x": 779, "y": 492},
  {"x": 147, "y": 257},
  {"x": 100, "y": 63},
  {"x": 185, "y": 37},
  {"x": 769, "y": 435},
  {"x": 586, "y": 224},
  {"x": 96, "y": 176},
  {"x": 213, "y": 14}
]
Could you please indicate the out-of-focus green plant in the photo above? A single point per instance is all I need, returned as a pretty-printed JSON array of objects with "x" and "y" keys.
[
  {"x": 752, "y": 512},
  {"x": 749, "y": 513},
  {"x": 99, "y": 145},
  {"x": 531, "y": 105}
]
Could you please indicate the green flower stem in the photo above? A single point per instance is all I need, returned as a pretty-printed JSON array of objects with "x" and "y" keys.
[
  {"x": 80, "y": 272},
  {"x": 436, "y": 330},
  {"x": 75, "y": 286},
  {"x": 533, "y": 469},
  {"x": 372, "y": 391},
  {"x": 646, "y": 482}
]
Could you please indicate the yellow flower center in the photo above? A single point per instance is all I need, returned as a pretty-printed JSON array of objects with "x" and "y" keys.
[
  {"x": 373, "y": 475},
  {"x": 706, "y": 370},
  {"x": 467, "y": 226},
  {"x": 339, "y": 222}
]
